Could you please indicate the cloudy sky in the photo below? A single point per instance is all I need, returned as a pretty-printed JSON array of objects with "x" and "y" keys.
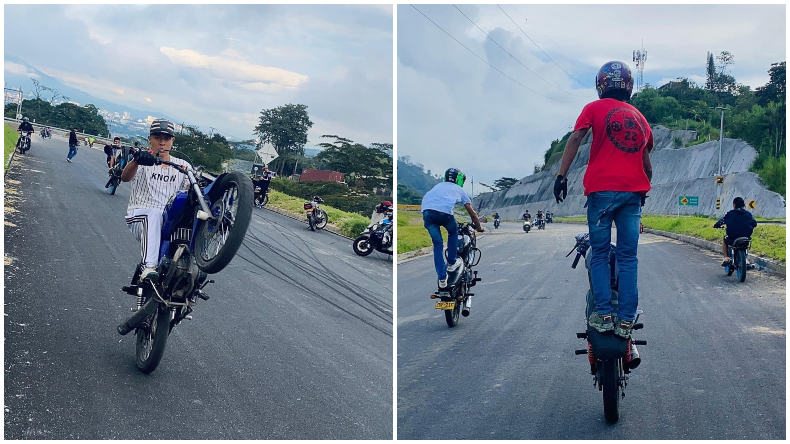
[
  {"x": 220, "y": 65},
  {"x": 454, "y": 110}
]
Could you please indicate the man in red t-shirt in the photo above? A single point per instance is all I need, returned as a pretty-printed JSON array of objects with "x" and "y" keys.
[{"x": 616, "y": 183}]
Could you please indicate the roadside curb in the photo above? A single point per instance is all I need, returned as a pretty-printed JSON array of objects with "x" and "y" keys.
[
  {"x": 8, "y": 164},
  {"x": 329, "y": 228},
  {"x": 409, "y": 255},
  {"x": 764, "y": 263}
]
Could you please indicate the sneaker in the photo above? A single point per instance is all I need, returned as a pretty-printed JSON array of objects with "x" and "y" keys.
[
  {"x": 69, "y": 160},
  {"x": 602, "y": 323},
  {"x": 149, "y": 273},
  {"x": 456, "y": 265},
  {"x": 443, "y": 283},
  {"x": 623, "y": 328}
]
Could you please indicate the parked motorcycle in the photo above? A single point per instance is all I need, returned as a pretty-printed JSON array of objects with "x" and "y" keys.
[
  {"x": 202, "y": 230},
  {"x": 611, "y": 357},
  {"x": 23, "y": 144},
  {"x": 376, "y": 237},
  {"x": 457, "y": 300},
  {"x": 316, "y": 217}
]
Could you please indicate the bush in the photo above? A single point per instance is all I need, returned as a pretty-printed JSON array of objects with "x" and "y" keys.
[{"x": 337, "y": 195}]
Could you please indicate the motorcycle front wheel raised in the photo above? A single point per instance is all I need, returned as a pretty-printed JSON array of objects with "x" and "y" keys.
[
  {"x": 152, "y": 339},
  {"x": 609, "y": 375},
  {"x": 218, "y": 240},
  {"x": 362, "y": 245}
]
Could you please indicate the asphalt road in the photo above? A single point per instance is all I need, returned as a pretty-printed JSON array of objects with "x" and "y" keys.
[
  {"x": 714, "y": 366},
  {"x": 295, "y": 342}
]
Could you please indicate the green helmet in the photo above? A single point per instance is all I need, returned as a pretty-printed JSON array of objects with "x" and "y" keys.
[{"x": 455, "y": 176}]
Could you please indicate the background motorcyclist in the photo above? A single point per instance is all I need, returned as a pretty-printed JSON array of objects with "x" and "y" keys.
[
  {"x": 263, "y": 180},
  {"x": 111, "y": 150},
  {"x": 437, "y": 212},
  {"x": 740, "y": 223},
  {"x": 526, "y": 216},
  {"x": 25, "y": 126},
  {"x": 616, "y": 182},
  {"x": 380, "y": 212}
]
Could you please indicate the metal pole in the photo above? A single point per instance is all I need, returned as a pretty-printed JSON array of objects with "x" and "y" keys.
[
  {"x": 721, "y": 135},
  {"x": 473, "y": 187}
]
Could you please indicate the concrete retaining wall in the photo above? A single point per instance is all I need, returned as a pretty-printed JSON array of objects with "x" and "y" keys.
[{"x": 676, "y": 172}]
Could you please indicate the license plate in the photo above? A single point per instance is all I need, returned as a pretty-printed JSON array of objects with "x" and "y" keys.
[{"x": 445, "y": 305}]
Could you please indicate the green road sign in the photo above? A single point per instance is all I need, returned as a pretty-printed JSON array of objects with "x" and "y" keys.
[{"x": 688, "y": 201}]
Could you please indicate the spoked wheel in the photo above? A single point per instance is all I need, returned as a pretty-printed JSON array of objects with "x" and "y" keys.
[
  {"x": 362, "y": 246},
  {"x": 152, "y": 339},
  {"x": 321, "y": 220},
  {"x": 609, "y": 375},
  {"x": 740, "y": 263},
  {"x": 218, "y": 240}
]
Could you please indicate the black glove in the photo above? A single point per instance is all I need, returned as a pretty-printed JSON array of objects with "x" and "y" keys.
[
  {"x": 644, "y": 196},
  {"x": 560, "y": 187},
  {"x": 145, "y": 158}
]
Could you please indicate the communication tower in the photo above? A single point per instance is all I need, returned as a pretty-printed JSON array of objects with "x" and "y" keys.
[{"x": 640, "y": 57}]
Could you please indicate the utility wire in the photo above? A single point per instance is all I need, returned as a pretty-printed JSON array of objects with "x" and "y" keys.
[
  {"x": 536, "y": 45},
  {"x": 535, "y": 26},
  {"x": 512, "y": 56},
  {"x": 483, "y": 60}
]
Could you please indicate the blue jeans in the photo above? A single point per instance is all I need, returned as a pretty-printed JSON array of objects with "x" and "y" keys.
[
  {"x": 625, "y": 210},
  {"x": 72, "y": 151},
  {"x": 433, "y": 221}
]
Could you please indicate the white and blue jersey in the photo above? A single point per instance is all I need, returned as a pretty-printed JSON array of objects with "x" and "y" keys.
[{"x": 443, "y": 197}]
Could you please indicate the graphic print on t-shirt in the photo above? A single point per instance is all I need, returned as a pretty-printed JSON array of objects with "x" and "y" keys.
[{"x": 625, "y": 130}]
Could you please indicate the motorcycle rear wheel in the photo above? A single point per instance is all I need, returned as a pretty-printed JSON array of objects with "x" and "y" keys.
[
  {"x": 362, "y": 246},
  {"x": 217, "y": 241},
  {"x": 608, "y": 373},
  {"x": 152, "y": 339},
  {"x": 740, "y": 262},
  {"x": 452, "y": 316}
]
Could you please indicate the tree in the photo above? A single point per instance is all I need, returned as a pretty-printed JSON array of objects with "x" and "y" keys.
[
  {"x": 725, "y": 59},
  {"x": 368, "y": 167},
  {"x": 285, "y": 128},
  {"x": 200, "y": 149},
  {"x": 710, "y": 73},
  {"x": 504, "y": 183}
]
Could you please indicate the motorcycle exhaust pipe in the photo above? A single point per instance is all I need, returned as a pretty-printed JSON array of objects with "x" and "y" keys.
[
  {"x": 467, "y": 307},
  {"x": 635, "y": 359},
  {"x": 147, "y": 310}
]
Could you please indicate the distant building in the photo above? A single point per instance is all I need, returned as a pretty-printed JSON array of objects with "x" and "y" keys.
[
  {"x": 127, "y": 115},
  {"x": 150, "y": 119},
  {"x": 320, "y": 176}
]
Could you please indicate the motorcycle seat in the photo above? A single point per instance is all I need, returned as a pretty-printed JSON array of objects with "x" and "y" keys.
[
  {"x": 742, "y": 242},
  {"x": 607, "y": 345}
]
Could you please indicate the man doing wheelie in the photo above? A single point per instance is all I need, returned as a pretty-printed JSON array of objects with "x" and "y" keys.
[
  {"x": 152, "y": 185},
  {"x": 739, "y": 222},
  {"x": 616, "y": 182}
]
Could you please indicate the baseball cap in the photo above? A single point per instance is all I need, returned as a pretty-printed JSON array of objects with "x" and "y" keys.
[{"x": 162, "y": 126}]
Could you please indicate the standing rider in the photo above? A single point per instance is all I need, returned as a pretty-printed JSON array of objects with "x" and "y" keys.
[
  {"x": 616, "y": 183},
  {"x": 151, "y": 189},
  {"x": 740, "y": 223},
  {"x": 437, "y": 211}
]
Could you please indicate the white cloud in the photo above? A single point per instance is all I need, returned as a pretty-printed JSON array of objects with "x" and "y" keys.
[
  {"x": 232, "y": 68},
  {"x": 16, "y": 68},
  {"x": 263, "y": 87}
]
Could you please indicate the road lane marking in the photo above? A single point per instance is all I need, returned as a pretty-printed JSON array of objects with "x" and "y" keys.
[
  {"x": 766, "y": 330},
  {"x": 419, "y": 317}
]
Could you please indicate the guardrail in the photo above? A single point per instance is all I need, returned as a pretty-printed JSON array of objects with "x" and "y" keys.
[{"x": 62, "y": 132}]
